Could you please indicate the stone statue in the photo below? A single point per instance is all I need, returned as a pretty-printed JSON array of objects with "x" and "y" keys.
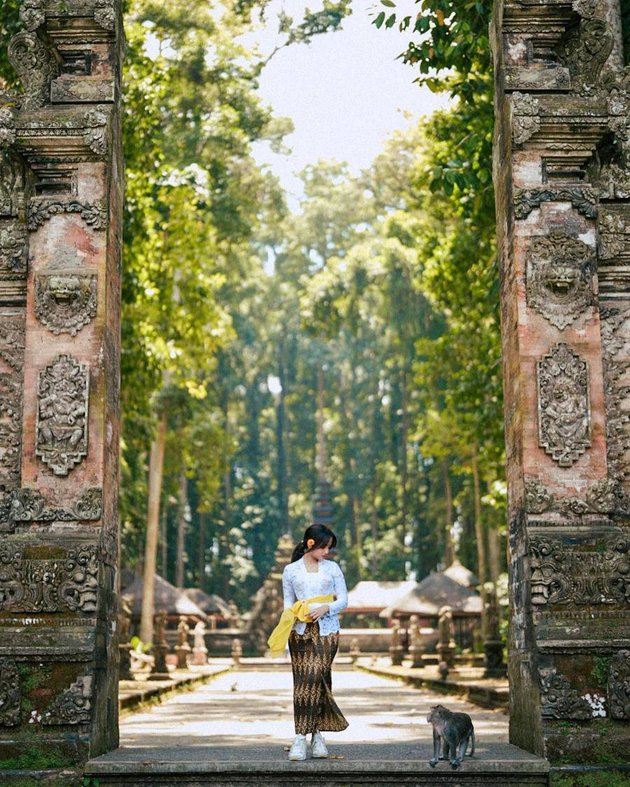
[
  {"x": 183, "y": 648},
  {"x": 396, "y": 648},
  {"x": 446, "y": 642},
  {"x": 415, "y": 645},
  {"x": 159, "y": 671},
  {"x": 200, "y": 651}
]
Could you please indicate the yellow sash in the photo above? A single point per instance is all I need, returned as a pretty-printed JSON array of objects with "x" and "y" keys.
[{"x": 279, "y": 637}]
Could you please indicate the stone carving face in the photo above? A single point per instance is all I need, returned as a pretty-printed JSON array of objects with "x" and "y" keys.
[
  {"x": 65, "y": 301},
  {"x": 559, "y": 278}
]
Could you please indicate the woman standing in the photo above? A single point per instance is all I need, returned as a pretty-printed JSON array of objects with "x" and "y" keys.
[{"x": 314, "y": 594}]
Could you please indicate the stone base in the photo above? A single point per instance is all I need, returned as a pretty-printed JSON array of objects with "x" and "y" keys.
[
  {"x": 359, "y": 764},
  {"x": 159, "y": 676}
]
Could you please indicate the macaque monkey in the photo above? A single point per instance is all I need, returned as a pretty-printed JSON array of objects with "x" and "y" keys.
[{"x": 453, "y": 730}]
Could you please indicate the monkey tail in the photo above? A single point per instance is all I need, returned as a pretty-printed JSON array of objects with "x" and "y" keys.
[{"x": 472, "y": 743}]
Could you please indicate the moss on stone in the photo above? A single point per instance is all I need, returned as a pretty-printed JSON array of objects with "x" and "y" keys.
[{"x": 592, "y": 779}]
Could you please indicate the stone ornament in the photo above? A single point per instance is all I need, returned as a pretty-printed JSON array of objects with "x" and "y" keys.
[
  {"x": 613, "y": 230},
  {"x": 583, "y": 200},
  {"x": 104, "y": 14},
  {"x": 562, "y": 575},
  {"x": 65, "y": 300},
  {"x": 615, "y": 332},
  {"x": 584, "y": 50},
  {"x": 32, "y": 14},
  {"x": 7, "y": 127},
  {"x": 39, "y": 211},
  {"x": 95, "y": 135},
  {"x": 602, "y": 497},
  {"x": 525, "y": 117},
  {"x": 67, "y": 583},
  {"x": 62, "y": 414},
  {"x": 35, "y": 66},
  {"x": 561, "y": 701},
  {"x": 564, "y": 417},
  {"x": 560, "y": 278},
  {"x": 13, "y": 249},
  {"x": 72, "y": 706},
  {"x": 619, "y": 685},
  {"x": 30, "y": 505},
  {"x": 12, "y": 341},
  {"x": 11, "y": 185},
  {"x": 10, "y": 697}
]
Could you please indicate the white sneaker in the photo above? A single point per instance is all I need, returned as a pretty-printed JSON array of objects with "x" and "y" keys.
[
  {"x": 298, "y": 749},
  {"x": 318, "y": 747}
]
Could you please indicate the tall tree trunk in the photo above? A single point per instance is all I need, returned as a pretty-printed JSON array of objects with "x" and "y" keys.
[
  {"x": 374, "y": 526},
  {"x": 494, "y": 554},
  {"x": 201, "y": 551},
  {"x": 283, "y": 501},
  {"x": 449, "y": 551},
  {"x": 479, "y": 533},
  {"x": 163, "y": 546},
  {"x": 181, "y": 531},
  {"x": 156, "y": 468},
  {"x": 404, "y": 461}
]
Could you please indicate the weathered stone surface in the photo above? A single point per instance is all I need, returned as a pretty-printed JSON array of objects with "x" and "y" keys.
[
  {"x": 60, "y": 232},
  {"x": 562, "y": 181}
]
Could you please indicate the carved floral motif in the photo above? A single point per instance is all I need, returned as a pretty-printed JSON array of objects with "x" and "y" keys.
[
  {"x": 104, "y": 14},
  {"x": 32, "y": 14},
  {"x": 7, "y": 127},
  {"x": 35, "y": 66},
  {"x": 562, "y": 575},
  {"x": 615, "y": 331},
  {"x": 65, "y": 301},
  {"x": 39, "y": 211},
  {"x": 619, "y": 685},
  {"x": 9, "y": 694},
  {"x": 525, "y": 117},
  {"x": 582, "y": 199},
  {"x": 12, "y": 339},
  {"x": 537, "y": 498},
  {"x": 559, "y": 278},
  {"x": 560, "y": 700},
  {"x": 73, "y": 706},
  {"x": 584, "y": 50},
  {"x": 602, "y": 497},
  {"x": 95, "y": 135},
  {"x": 60, "y": 584},
  {"x": 62, "y": 414},
  {"x": 564, "y": 419},
  {"x": 30, "y": 505},
  {"x": 13, "y": 249}
]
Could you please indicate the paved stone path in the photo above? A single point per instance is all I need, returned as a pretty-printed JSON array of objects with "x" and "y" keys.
[{"x": 249, "y": 714}]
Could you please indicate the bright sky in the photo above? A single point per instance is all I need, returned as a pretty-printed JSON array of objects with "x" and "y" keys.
[{"x": 345, "y": 92}]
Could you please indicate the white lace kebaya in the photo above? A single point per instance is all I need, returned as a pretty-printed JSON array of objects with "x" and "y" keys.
[{"x": 298, "y": 584}]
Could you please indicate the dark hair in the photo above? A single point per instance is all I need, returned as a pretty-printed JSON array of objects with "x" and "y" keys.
[{"x": 320, "y": 534}]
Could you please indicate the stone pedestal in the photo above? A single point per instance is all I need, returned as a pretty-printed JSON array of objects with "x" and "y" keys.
[
  {"x": 396, "y": 650},
  {"x": 159, "y": 670},
  {"x": 562, "y": 184},
  {"x": 61, "y": 187}
]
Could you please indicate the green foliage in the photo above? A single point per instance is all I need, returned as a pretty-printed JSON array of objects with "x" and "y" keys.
[
  {"x": 36, "y": 759},
  {"x": 606, "y": 778}
]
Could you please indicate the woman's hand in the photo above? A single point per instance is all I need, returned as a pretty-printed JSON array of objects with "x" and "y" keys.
[{"x": 317, "y": 613}]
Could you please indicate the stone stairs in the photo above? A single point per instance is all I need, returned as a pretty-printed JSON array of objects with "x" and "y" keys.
[{"x": 385, "y": 766}]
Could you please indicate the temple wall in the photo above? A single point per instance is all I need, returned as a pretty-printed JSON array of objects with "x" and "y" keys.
[
  {"x": 561, "y": 177},
  {"x": 61, "y": 189}
]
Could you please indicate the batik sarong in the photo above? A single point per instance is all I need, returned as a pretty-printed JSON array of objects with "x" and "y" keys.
[{"x": 314, "y": 707}]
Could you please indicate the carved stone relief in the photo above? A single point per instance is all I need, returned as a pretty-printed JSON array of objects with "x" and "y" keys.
[
  {"x": 615, "y": 331},
  {"x": 65, "y": 583},
  {"x": 95, "y": 135},
  {"x": 12, "y": 337},
  {"x": 564, "y": 575},
  {"x": 73, "y": 706},
  {"x": 582, "y": 199},
  {"x": 104, "y": 14},
  {"x": 11, "y": 185},
  {"x": 65, "y": 300},
  {"x": 13, "y": 249},
  {"x": 35, "y": 66},
  {"x": 30, "y": 505},
  {"x": 40, "y": 210},
  {"x": 10, "y": 697},
  {"x": 584, "y": 50},
  {"x": 62, "y": 414},
  {"x": 619, "y": 685},
  {"x": 525, "y": 117},
  {"x": 564, "y": 419},
  {"x": 32, "y": 14},
  {"x": 602, "y": 497},
  {"x": 7, "y": 127},
  {"x": 559, "y": 278},
  {"x": 560, "y": 700}
]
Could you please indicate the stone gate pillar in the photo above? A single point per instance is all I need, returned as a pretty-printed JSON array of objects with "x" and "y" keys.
[
  {"x": 562, "y": 180},
  {"x": 60, "y": 239}
]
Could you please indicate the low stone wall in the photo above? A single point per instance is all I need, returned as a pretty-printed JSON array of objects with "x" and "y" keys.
[{"x": 379, "y": 640}]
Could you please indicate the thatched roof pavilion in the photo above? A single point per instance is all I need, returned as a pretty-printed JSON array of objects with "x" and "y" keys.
[
  {"x": 369, "y": 596},
  {"x": 166, "y": 596},
  {"x": 461, "y": 574},
  {"x": 210, "y": 603},
  {"x": 437, "y": 590}
]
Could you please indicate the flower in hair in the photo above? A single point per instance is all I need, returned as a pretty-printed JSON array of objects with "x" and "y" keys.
[{"x": 310, "y": 543}]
